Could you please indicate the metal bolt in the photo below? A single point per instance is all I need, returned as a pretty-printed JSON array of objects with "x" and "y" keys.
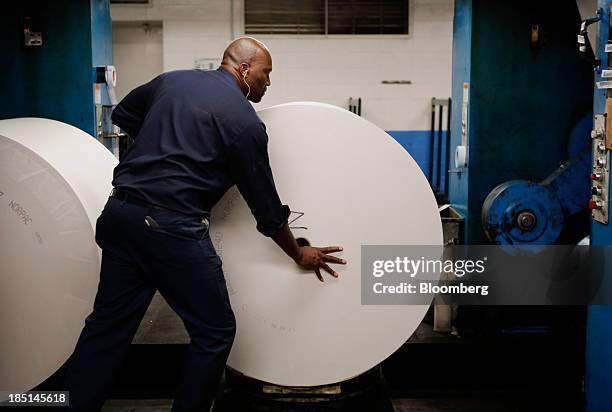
[{"x": 526, "y": 220}]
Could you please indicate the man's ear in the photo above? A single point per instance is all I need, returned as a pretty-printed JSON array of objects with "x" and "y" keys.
[{"x": 244, "y": 69}]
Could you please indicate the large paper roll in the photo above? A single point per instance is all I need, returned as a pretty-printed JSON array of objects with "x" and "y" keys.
[
  {"x": 353, "y": 183},
  {"x": 355, "y": 186},
  {"x": 54, "y": 181}
]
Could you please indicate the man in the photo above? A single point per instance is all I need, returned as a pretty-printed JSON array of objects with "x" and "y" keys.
[{"x": 196, "y": 135}]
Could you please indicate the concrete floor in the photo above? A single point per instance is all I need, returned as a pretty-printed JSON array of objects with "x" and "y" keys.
[
  {"x": 162, "y": 326},
  {"x": 399, "y": 405},
  {"x": 138, "y": 405}
]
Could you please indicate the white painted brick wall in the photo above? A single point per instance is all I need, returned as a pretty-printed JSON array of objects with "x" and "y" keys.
[
  {"x": 318, "y": 68},
  {"x": 137, "y": 54}
]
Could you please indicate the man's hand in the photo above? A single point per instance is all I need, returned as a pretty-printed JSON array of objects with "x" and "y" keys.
[
  {"x": 315, "y": 258},
  {"x": 309, "y": 258}
]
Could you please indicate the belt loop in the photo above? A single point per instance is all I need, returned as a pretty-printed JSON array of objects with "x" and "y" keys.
[{"x": 115, "y": 193}]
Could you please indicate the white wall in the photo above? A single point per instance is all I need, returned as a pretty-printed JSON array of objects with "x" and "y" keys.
[
  {"x": 137, "y": 54},
  {"x": 318, "y": 68}
]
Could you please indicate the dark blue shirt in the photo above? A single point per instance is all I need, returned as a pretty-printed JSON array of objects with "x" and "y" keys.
[{"x": 196, "y": 135}]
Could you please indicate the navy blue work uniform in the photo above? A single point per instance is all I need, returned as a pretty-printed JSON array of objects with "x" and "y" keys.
[{"x": 196, "y": 135}]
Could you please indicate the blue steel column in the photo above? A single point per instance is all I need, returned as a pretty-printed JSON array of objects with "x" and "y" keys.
[
  {"x": 599, "y": 323},
  {"x": 462, "y": 64},
  {"x": 101, "y": 41}
]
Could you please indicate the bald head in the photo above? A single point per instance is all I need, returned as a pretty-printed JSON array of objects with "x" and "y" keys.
[
  {"x": 249, "y": 60},
  {"x": 243, "y": 50}
]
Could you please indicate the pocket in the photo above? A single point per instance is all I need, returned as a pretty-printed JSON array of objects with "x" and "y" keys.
[{"x": 171, "y": 224}]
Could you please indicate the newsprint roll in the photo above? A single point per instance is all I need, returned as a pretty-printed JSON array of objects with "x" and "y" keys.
[
  {"x": 348, "y": 183},
  {"x": 54, "y": 181}
]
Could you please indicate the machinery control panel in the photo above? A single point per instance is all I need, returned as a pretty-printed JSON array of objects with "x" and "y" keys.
[{"x": 600, "y": 173}]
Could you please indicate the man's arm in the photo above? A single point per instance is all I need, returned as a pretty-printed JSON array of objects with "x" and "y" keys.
[
  {"x": 129, "y": 114},
  {"x": 250, "y": 169}
]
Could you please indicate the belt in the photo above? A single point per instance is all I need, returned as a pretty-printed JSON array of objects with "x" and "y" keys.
[
  {"x": 132, "y": 199},
  {"x": 135, "y": 200}
]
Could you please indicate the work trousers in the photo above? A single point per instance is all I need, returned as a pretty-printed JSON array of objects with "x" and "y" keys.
[{"x": 144, "y": 250}]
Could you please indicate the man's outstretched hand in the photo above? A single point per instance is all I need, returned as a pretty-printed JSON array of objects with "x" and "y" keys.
[
  {"x": 317, "y": 258},
  {"x": 308, "y": 257}
]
